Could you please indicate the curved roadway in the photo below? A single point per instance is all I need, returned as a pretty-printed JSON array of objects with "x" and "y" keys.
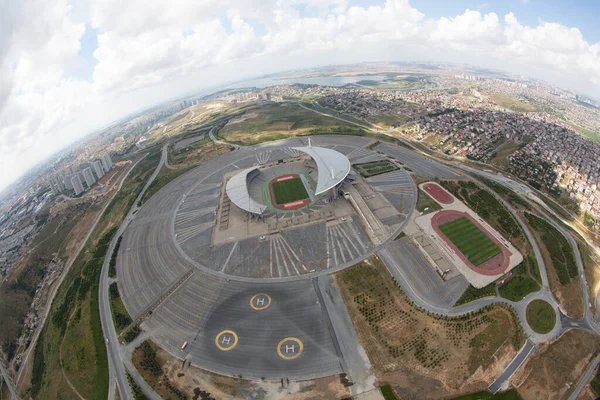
[{"x": 561, "y": 326}]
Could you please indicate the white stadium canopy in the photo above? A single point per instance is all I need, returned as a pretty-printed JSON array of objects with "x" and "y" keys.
[
  {"x": 332, "y": 166},
  {"x": 237, "y": 191},
  {"x": 332, "y": 169}
]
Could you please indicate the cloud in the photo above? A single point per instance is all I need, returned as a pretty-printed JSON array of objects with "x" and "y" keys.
[{"x": 142, "y": 44}]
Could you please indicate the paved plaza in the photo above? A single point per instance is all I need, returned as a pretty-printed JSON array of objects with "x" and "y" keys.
[{"x": 246, "y": 304}]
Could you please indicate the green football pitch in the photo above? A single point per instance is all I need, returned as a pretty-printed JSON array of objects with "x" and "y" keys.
[
  {"x": 289, "y": 190},
  {"x": 470, "y": 240}
]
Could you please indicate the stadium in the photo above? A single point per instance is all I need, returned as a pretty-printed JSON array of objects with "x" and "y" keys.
[
  {"x": 479, "y": 252},
  {"x": 232, "y": 258},
  {"x": 288, "y": 186}
]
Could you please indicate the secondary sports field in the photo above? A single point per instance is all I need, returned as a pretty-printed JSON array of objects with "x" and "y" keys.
[
  {"x": 475, "y": 245},
  {"x": 289, "y": 190}
]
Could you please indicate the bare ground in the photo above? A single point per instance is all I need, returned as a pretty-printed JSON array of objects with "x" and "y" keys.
[
  {"x": 420, "y": 355},
  {"x": 556, "y": 367}
]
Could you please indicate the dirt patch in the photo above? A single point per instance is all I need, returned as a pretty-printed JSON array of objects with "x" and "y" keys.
[
  {"x": 241, "y": 118},
  {"x": 197, "y": 155},
  {"x": 557, "y": 367},
  {"x": 421, "y": 355}
]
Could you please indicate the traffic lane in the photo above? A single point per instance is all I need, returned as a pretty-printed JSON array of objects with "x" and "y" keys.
[
  {"x": 423, "y": 277},
  {"x": 420, "y": 165},
  {"x": 514, "y": 365}
]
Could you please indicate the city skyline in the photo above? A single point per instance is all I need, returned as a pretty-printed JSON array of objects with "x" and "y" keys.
[{"x": 94, "y": 72}]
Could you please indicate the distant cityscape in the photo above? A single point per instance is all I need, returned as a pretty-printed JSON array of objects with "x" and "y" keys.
[{"x": 82, "y": 179}]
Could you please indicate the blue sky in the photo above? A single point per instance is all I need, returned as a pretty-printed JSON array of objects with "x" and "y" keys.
[
  {"x": 149, "y": 54},
  {"x": 582, "y": 14},
  {"x": 83, "y": 67}
]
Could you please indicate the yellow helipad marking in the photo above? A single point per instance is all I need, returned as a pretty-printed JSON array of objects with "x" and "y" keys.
[
  {"x": 219, "y": 343},
  {"x": 296, "y": 351},
  {"x": 261, "y": 304}
]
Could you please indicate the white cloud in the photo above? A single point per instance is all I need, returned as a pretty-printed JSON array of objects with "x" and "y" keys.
[{"x": 144, "y": 43}]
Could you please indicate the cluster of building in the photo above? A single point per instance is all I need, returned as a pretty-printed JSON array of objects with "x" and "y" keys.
[
  {"x": 477, "y": 133},
  {"x": 548, "y": 154},
  {"x": 366, "y": 104},
  {"x": 79, "y": 181},
  {"x": 573, "y": 161},
  {"x": 17, "y": 228},
  {"x": 458, "y": 115}
]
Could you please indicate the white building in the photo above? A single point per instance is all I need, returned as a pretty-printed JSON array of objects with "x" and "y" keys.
[
  {"x": 106, "y": 162},
  {"x": 77, "y": 185},
  {"x": 89, "y": 177}
]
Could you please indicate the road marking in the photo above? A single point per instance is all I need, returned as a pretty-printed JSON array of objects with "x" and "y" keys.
[
  {"x": 290, "y": 348},
  {"x": 260, "y": 301},
  {"x": 226, "y": 340},
  {"x": 229, "y": 257}
]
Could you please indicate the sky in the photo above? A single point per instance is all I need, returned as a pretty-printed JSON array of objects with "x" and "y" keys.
[{"x": 70, "y": 67}]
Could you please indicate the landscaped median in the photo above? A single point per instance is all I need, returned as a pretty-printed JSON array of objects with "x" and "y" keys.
[
  {"x": 540, "y": 316},
  {"x": 561, "y": 265}
]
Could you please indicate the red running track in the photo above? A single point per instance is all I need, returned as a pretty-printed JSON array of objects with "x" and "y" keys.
[
  {"x": 494, "y": 266},
  {"x": 438, "y": 193}
]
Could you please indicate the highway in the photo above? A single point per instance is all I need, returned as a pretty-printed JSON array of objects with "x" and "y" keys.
[
  {"x": 397, "y": 271},
  {"x": 584, "y": 379},
  {"x": 115, "y": 365},
  {"x": 514, "y": 365},
  {"x": 64, "y": 274},
  {"x": 587, "y": 323}
]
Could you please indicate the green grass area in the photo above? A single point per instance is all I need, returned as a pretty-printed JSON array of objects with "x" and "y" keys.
[
  {"x": 526, "y": 279},
  {"x": 561, "y": 253},
  {"x": 162, "y": 179},
  {"x": 18, "y": 293},
  {"x": 485, "y": 395},
  {"x": 586, "y": 133},
  {"x": 486, "y": 206},
  {"x": 278, "y": 120},
  {"x": 514, "y": 199},
  {"x": 289, "y": 190},
  {"x": 120, "y": 315},
  {"x": 595, "y": 383},
  {"x": 512, "y": 104},
  {"x": 540, "y": 316},
  {"x": 375, "y": 168},
  {"x": 472, "y": 293},
  {"x": 112, "y": 267},
  {"x": 425, "y": 203},
  {"x": 138, "y": 393},
  {"x": 84, "y": 361},
  {"x": 475, "y": 245},
  {"x": 388, "y": 393}
]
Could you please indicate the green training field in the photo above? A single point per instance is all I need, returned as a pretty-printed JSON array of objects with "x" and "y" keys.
[
  {"x": 470, "y": 240},
  {"x": 289, "y": 190}
]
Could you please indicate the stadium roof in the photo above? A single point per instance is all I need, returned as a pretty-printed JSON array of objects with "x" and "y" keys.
[
  {"x": 332, "y": 166},
  {"x": 237, "y": 190},
  {"x": 332, "y": 169}
]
